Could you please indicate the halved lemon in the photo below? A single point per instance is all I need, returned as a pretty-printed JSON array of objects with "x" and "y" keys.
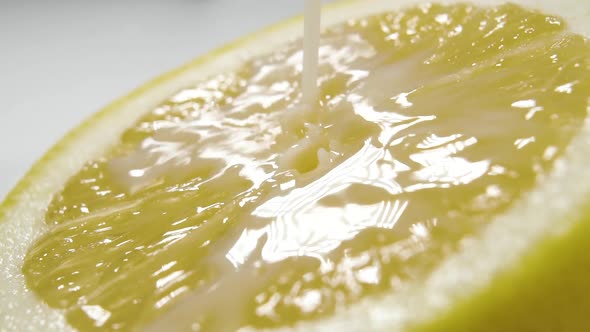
[{"x": 439, "y": 184}]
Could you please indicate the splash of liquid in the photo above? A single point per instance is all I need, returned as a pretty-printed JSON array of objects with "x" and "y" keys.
[{"x": 311, "y": 45}]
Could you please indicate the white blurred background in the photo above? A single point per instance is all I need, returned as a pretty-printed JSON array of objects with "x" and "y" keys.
[{"x": 61, "y": 61}]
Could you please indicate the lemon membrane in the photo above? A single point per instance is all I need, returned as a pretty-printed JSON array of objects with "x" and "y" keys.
[{"x": 233, "y": 204}]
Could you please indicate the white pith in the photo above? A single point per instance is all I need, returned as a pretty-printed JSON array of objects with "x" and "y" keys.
[{"x": 503, "y": 242}]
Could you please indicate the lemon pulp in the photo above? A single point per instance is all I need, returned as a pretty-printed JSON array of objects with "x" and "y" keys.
[{"x": 233, "y": 205}]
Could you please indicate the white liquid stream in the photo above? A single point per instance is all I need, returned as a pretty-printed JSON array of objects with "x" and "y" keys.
[{"x": 311, "y": 44}]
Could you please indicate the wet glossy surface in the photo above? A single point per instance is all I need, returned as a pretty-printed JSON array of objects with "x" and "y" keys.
[{"x": 232, "y": 204}]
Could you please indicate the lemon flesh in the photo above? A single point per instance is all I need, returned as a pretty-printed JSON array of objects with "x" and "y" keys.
[{"x": 233, "y": 205}]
